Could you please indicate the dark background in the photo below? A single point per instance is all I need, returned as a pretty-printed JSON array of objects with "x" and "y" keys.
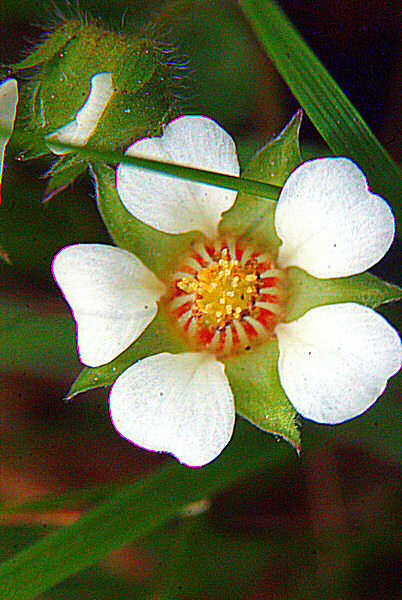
[{"x": 320, "y": 526}]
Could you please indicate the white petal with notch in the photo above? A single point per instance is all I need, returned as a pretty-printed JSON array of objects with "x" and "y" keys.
[
  {"x": 177, "y": 403},
  {"x": 176, "y": 205},
  {"x": 79, "y": 131},
  {"x": 330, "y": 224},
  {"x": 112, "y": 295},
  {"x": 8, "y": 112},
  {"x": 335, "y": 361}
]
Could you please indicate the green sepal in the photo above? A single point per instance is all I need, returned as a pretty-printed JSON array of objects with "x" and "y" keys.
[
  {"x": 279, "y": 157},
  {"x": 258, "y": 393},
  {"x": 157, "y": 250},
  {"x": 253, "y": 374},
  {"x": 252, "y": 217},
  {"x": 49, "y": 48},
  {"x": 62, "y": 174},
  {"x": 130, "y": 116},
  {"x": 29, "y": 104},
  {"x": 305, "y": 292},
  {"x": 142, "y": 57},
  {"x": 33, "y": 149},
  {"x": 66, "y": 161},
  {"x": 158, "y": 337}
]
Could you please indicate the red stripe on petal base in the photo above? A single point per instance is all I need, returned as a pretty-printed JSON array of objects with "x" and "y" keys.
[{"x": 231, "y": 302}]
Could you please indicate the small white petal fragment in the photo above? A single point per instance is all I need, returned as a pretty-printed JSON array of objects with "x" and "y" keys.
[
  {"x": 8, "y": 112},
  {"x": 112, "y": 295},
  {"x": 177, "y": 403},
  {"x": 196, "y": 508},
  {"x": 330, "y": 224},
  {"x": 335, "y": 361},
  {"x": 175, "y": 205},
  {"x": 87, "y": 118}
]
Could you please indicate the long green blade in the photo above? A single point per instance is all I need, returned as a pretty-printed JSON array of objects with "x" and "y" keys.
[
  {"x": 329, "y": 109},
  {"x": 133, "y": 512},
  {"x": 213, "y": 178}
]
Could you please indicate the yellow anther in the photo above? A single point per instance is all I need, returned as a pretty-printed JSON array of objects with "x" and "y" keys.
[
  {"x": 204, "y": 275},
  {"x": 222, "y": 289},
  {"x": 215, "y": 284}
]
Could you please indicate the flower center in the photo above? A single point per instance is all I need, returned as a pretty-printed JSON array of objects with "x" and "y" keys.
[{"x": 226, "y": 296}]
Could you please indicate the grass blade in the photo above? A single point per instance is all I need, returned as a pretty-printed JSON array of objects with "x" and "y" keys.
[
  {"x": 336, "y": 119},
  {"x": 133, "y": 512}
]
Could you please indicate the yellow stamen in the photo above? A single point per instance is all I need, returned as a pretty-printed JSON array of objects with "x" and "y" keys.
[{"x": 229, "y": 304}]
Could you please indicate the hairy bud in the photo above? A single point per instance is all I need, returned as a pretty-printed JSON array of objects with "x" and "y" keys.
[{"x": 85, "y": 84}]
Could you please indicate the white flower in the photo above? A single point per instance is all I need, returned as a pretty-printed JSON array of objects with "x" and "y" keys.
[
  {"x": 334, "y": 360},
  {"x": 8, "y": 112},
  {"x": 176, "y": 205}
]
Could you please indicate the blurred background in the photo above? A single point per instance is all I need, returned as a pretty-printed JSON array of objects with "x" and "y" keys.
[{"x": 322, "y": 525}]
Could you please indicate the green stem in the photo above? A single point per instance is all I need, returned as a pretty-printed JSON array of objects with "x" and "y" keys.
[{"x": 231, "y": 182}]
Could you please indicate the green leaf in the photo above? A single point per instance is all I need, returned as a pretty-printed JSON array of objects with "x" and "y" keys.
[
  {"x": 259, "y": 396},
  {"x": 158, "y": 337},
  {"x": 279, "y": 157},
  {"x": 306, "y": 292},
  {"x": 252, "y": 217},
  {"x": 135, "y": 511},
  {"x": 94, "y": 583},
  {"x": 157, "y": 250},
  {"x": 329, "y": 109}
]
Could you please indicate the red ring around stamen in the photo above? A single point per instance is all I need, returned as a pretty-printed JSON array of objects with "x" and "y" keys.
[{"x": 222, "y": 297}]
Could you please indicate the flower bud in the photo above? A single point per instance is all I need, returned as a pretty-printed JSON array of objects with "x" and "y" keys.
[{"x": 63, "y": 94}]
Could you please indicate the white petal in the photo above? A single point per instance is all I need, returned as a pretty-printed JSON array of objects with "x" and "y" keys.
[
  {"x": 112, "y": 296},
  {"x": 177, "y": 403},
  {"x": 335, "y": 361},
  {"x": 330, "y": 224},
  {"x": 174, "y": 205},
  {"x": 87, "y": 118},
  {"x": 8, "y": 112}
]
